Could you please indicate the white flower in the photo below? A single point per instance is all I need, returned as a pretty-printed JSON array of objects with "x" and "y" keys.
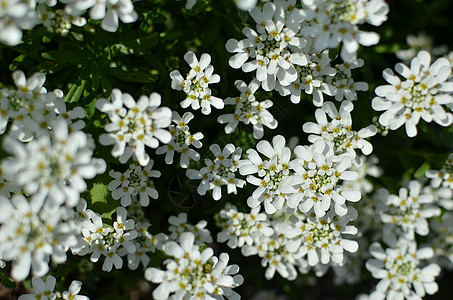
[
  {"x": 141, "y": 124},
  {"x": 368, "y": 166},
  {"x": 73, "y": 291},
  {"x": 311, "y": 79},
  {"x": 134, "y": 183},
  {"x": 43, "y": 290},
  {"x": 107, "y": 241},
  {"x": 179, "y": 224},
  {"x": 195, "y": 85},
  {"x": 53, "y": 168},
  {"x": 416, "y": 43},
  {"x": 337, "y": 21},
  {"x": 31, "y": 233},
  {"x": 109, "y": 11},
  {"x": 321, "y": 239},
  {"x": 246, "y": 4},
  {"x": 239, "y": 228},
  {"x": 14, "y": 16},
  {"x": 421, "y": 95},
  {"x": 272, "y": 250},
  {"x": 343, "y": 82},
  {"x": 193, "y": 272},
  {"x": 339, "y": 129},
  {"x": 444, "y": 176},
  {"x": 219, "y": 172},
  {"x": 181, "y": 140},
  {"x": 248, "y": 110},
  {"x": 274, "y": 48},
  {"x": 271, "y": 173},
  {"x": 25, "y": 103},
  {"x": 442, "y": 240},
  {"x": 409, "y": 210},
  {"x": 398, "y": 269},
  {"x": 316, "y": 182}
]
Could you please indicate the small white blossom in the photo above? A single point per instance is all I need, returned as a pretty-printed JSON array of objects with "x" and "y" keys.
[
  {"x": 192, "y": 271},
  {"x": 398, "y": 269},
  {"x": 274, "y": 48},
  {"x": 444, "y": 176},
  {"x": 136, "y": 182},
  {"x": 139, "y": 124},
  {"x": 53, "y": 168},
  {"x": 181, "y": 140},
  {"x": 339, "y": 129},
  {"x": 220, "y": 171},
  {"x": 239, "y": 228},
  {"x": 31, "y": 233},
  {"x": 338, "y": 21},
  {"x": 271, "y": 172},
  {"x": 322, "y": 239},
  {"x": 248, "y": 110},
  {"x": 421, "y": 94},
  {"x": 195, "y": 85},
  {"x": 315, "y": 184},
  {"x": 179, "y": 224}
]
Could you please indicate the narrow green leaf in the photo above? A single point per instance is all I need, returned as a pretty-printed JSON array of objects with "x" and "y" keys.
[
  {"x": 141, "y": 77},
  {"x": 75, "y": 92},
  {"x": 420, "y": 172},
  {"x": 138, "y": 45},
  {"x": 65, "y": 56},
  {"x": 200, "y": 6}
]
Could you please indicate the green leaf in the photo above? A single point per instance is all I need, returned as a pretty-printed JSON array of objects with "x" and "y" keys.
[
  {"x": 16, "y": 62},
  {"x": 156, "y": 16},
  {"x": 200, "y": 6},
  {"x": 420, "y": 172},
  {"x": 75, "y": 92},
  {"x": 141, "y": 77},
  {"x": 65, "y": 56},
  {"x": 7, "y": 281},
  {"x": 101, "y": 201},
  {"x": 99, "y": 193},
  {"x": 171, "y": 36},
  {"x": 138, "y": 45}
]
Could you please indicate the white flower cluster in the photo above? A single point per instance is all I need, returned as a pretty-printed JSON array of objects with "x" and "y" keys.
[
  {"x": 52, "y": 168},
  {"x": 181, "y": 140},
  {"x": 422, "y": 93},
  {"x": 399, "y": 270},
  {"x": 196, "y": 83},
  {"x": 339, "y": 129},
  {"x": 31, "y": 233},
  {"x": 408, "y": 211},
  {"x": 29, "y": 108},
  {"x": 16, "y": 15},
  {"x": 45, "y": 290},
  {"x": 218, "y": 172},
  {"x": 139, "y": 124},
  {"x": 442, "y": 241},
  {"x": 192, "y": 271},
  {"x": 145, "y": 243},
  {"x": 248, "y": 110},
  {"x": 289, "y": 50},
  {"x": 240, "y": 228},
  {"x": 337, "y": 21},
  {"x": 99, "y": 240},
  {"x": 444, "y": 176},
  {"x": 287, "y": 242},
  {"x": 44, "y": 176},
  {"x": 179, "y": 224},
  {"x": 134, "y": 183}
]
